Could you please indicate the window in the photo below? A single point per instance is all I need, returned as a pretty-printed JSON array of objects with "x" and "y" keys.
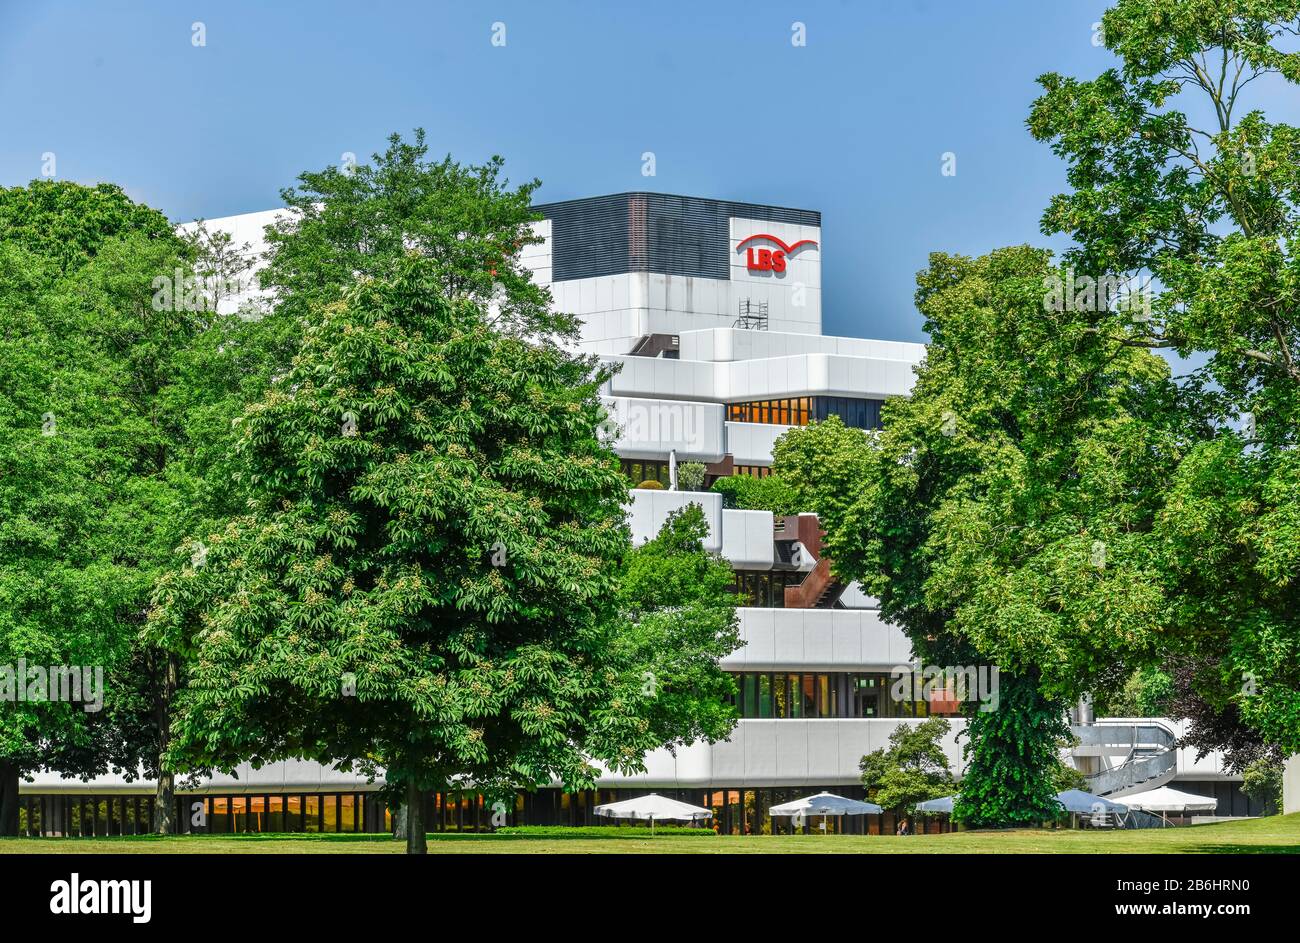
[
  {"x": 639, "y": 471},
  {"x": 827, "y": 695},
  {"x": 799, "y": 411}
]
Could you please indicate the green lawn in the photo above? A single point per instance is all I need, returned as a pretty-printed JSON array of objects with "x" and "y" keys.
[{"x": 1277, "y": 834}]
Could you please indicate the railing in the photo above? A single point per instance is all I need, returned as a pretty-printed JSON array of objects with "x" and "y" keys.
[
  {"x": 1150, "y": 759},
  {"x": 806, "y": 594}
]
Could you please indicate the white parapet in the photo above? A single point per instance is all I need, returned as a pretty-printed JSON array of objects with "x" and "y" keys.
[
  {"x": 744, "y": 538},
  {"x": 819, "y": 752},
  {"x": 734, "y": 344},
  {"x": 747, "y": 539},
  {"x": 772, "y": 378},
  {"x": 818, "y": 640},
  {"x": 649, "y": 509},
  {"x": 652, "y": 428},
  {"x": 750, "y": 443}
]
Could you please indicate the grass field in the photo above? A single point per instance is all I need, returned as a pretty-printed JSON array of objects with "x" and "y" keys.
[{"x": 1277, "y": 834}]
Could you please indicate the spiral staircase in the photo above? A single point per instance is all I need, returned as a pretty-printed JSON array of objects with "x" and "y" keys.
[{"x": 1125, "y": 757}]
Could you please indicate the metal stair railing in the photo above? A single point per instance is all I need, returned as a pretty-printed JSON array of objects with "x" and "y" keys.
[{"x": 1150, "y": 757}]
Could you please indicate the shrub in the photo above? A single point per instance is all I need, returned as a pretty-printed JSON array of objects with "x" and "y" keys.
[
  {"x": 651, "y": 485},
  {"x": 757, "y": 494},
  {"x": 690, "y": 476}
]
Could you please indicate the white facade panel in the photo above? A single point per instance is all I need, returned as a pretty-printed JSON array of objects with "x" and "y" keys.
[
  {"x": 652, "y": 428},
  {"x": 649, "y": 509},
  {"x": 751, "y": 443},
  {"x": 818, "y": 640},
  {"x": 747, "y": 539},
  {"x": 819, "y": 752},
  {"x": 774, "y": 378}
]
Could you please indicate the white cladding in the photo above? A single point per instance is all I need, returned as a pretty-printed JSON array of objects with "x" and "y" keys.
[
  {"x": 737, "y": 344},
  {"x": 743, "y": 538},
  {"x": 617, "y": 310},
  {"x": 772, "y": 378},
  {"x": 648, "y": 510},
  {"x": 750, "y": 443},
  {"x": 786, "y": 752},
  {"x": 652, "y": 428},
  {"x": 818, "y": 640}
]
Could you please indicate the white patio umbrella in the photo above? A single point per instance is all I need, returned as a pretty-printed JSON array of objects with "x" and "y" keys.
[
  {"x": 942, "y": 805},
  {"x": 1165, "y": 800},
  {"x": 653, "y": 807},
  {"x": 825, "y": 803}
]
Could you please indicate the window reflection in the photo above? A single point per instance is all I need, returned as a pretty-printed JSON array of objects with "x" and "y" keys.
[{"x": 785, "y": 695}]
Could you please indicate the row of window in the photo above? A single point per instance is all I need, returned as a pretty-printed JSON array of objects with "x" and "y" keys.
[
  {"x": 801, "y": 410},
  {"x": 735, "y": 811},
  {"x": 220, "y": 815},
  {"x": 764, "y": 589},
  {"x": 828, "y": 695}
]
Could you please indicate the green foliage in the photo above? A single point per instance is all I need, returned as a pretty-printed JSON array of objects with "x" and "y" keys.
[
  {"x": 464, "y": 220},
  {"x": 690, "y": 476},
  {"x": 113, "y": 407},
  {"x": 821, "y": 467},
  {"x": 914, "y": 768},
  {"x": 1147, "y": 693},
  {"x": 1012, "y": 762},
  {"x": 680, "y": 616},
  {"x": 650, "y": 485},
  {"x": 746, "y": 493},
  {"x": 84, "y": 501},
  {"x": 1262, "y": 782},
  {"x": 66, "y": 224},
  {"x": 1210, "y": 211},
  {"x": 426, "y": 575},
  {"x": 1066, "y": 777}
]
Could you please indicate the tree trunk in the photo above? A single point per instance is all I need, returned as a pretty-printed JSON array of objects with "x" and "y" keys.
[
  {"x": 8, "y": 798},
  {"x": 416, "y": 842},
  {"x": 164, "y": 806},
  {"x": 399, "y": 822}
]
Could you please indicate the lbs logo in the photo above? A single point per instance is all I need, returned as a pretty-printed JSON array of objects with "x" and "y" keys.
[{"x": 769, "y": 260}]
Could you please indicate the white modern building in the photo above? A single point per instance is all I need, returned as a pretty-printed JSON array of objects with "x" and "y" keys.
[{"x": 713, "y": 312}]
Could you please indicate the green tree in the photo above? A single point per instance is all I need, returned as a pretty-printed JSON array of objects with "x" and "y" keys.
[
  {"x": 1013, "y": 767},
  {"x": 690, "y": 475},
  {"x": 466, "y": 220},
  {"x": 1178, "y": 176},
  {"x": 426, "y": 575},
  {"x": 912, "y": 769},
  {"x": 83, "y": 503},
  {"x": 680, "y": 619},
  {"x": 1261, "y": 780},
  {"x": 1003, "y": 513},
  {"x": 746, "y": 493}
]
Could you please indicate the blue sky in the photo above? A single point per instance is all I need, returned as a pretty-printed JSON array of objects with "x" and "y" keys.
[{"x": 853, "y": 124}]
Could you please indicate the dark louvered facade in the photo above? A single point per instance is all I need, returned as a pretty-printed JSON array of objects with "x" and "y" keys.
[{"x": 650, "y": 232}]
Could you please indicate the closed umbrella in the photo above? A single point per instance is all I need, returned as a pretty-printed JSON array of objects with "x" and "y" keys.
[{"x": 655, "y": 808}]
